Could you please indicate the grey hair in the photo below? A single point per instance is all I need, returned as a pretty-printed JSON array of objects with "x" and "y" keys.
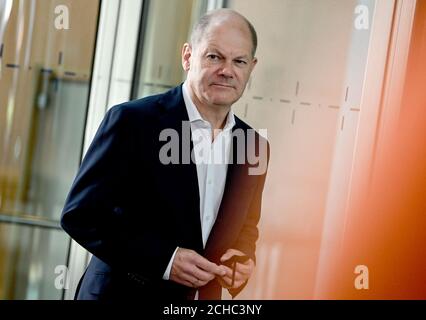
[{"x": 205, "y": 21}]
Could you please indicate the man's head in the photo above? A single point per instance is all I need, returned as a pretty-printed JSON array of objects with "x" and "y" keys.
[{"x": 220, "y": 58}]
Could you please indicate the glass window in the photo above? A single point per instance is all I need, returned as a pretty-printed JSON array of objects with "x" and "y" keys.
[
  {"x": 306, "y": 91},
  {"x": 46, "y": 56},
  {"x": 167, "y": 26},
  {"x": 32, "y": 262}
]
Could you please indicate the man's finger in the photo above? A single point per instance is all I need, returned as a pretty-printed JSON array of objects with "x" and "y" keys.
[
  {"x": 202, "y": 275},
  {"x": 238, "y": 283},
  {"x": 238, "y": 276},
  {"x": 244, "y": 268},
  {"x": 222, "y": 283},
  {"x": 229, "y": 253},
  {"x": 226, "y": 282},
  {"x": 183, "y": 280},
  {"x": 228, "y": 271},
  {"x": 208, "y": 266},
  {"x": 194, "y": 282},
  {"x": 186, "y": 283}
]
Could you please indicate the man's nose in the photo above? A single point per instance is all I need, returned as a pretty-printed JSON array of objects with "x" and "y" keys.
[{"x": 226, "y": 70}]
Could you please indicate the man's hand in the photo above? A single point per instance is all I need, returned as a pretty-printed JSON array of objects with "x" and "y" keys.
[
  {"x": 193, "y": 270},
  {"x": 242, "y": 273}
]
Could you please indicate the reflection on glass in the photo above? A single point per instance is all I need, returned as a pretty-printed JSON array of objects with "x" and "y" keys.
[
  {"x": 32, "y": 262},
  {"x": 46, "y": 51},
  {"x": 168, "y": 26}
]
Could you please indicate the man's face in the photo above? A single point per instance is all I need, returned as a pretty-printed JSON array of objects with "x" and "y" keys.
[{"x": 220, "y": 64}]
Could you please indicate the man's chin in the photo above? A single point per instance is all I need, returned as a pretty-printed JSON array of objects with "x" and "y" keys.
[{"x": 223, "y": 101}]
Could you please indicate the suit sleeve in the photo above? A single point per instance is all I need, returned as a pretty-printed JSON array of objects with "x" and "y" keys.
[{"x": 94, "y": 214}]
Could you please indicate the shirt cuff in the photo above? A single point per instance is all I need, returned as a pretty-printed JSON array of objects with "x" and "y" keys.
[{"x": 166, "y": 275}]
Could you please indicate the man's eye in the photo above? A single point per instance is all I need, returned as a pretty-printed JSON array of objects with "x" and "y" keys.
[
  {"x": 213, "y": 57},
  {"x": 241, "y": 62}
]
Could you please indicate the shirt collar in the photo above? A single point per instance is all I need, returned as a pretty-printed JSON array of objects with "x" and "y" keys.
[{"x": 194, "y": 115}]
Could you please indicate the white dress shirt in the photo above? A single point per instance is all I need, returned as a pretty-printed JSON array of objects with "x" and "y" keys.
[{"x": 211, "y": 158}]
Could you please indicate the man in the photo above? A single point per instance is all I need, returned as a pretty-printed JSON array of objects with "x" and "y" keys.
[{"x": 160, "y": 228}]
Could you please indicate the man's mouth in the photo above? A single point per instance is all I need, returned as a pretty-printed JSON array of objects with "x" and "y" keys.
[{"x": 222, "y": 85}]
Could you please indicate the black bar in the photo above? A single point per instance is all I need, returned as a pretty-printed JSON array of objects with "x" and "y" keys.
[{"x": 247, "y": 309}]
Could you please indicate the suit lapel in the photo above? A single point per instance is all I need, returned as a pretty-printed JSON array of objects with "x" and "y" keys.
[{"x": 182, "y": 180}]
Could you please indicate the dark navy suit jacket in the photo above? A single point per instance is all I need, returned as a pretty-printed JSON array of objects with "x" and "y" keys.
[{"x": 131, "y": 211}]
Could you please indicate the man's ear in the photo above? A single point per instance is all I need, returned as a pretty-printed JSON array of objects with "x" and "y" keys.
[
  {"x": 186, "y": 55},
  {"x": 253, "y": 63}
]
